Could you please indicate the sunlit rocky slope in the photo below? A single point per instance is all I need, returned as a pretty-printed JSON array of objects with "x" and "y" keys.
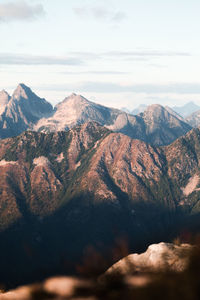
[
  {"x": 63, "y": 191},
  {"x": 24, "y": 110}
]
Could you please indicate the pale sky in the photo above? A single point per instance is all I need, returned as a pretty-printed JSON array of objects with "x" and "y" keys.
[{"x": 115, "y": 52}]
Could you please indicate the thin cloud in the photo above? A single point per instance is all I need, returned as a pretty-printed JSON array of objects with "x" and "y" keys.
[
  {"x": 130, "y": 55},
  {"x": 100, "y": 13},
  {"x": 105, "y": 87},
  {"x": 80, "y": 58},
  {"x": 20, "y": 11},
  {"x": 96, "y": 72},
  {"x": 147, "y": 53},
  {"x": 22, "y": 59}
]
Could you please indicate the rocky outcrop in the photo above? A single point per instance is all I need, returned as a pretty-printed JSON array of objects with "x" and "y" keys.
[{"x": 162, "y": 257}]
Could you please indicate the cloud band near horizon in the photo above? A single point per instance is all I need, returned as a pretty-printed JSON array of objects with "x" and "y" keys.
[{"x": 104, "y": 87}]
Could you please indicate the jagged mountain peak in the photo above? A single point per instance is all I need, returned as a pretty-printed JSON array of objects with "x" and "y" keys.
[
  {"x": 156, "y": 111},
  {"x": 73, "y": 110},
  {"x": 159, "y": 111},
  {"x": 4, "y": 99},
  {"x": 4, "y": 92},
  {"x": 74, "y": 99},
  {"x": 22, "y": 91},
  {"x": 155, "y": 108},
  {"x": 21, "y": 111}
]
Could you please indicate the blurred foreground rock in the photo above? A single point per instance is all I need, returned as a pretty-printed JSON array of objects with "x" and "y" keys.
[
  {"x": 162, "y": 257},
  {"x": 165, "y": 271}
]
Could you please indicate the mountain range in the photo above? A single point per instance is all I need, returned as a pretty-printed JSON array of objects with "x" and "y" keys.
[
  {"x": 24, "y": 110},
  {"x": 185, "y": 111},
  {"x": 84, "y": 177},
  {"x": 64, "y": 191}
]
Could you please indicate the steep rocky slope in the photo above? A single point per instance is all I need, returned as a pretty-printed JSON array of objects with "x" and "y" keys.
[
  {"x": 21, "y": 111},
  {"x": 4, "y": 99},
  {"x": 163, "y": 126},
  {"x": 26, "y": 111},
  {"x": 63, "y": 191}
]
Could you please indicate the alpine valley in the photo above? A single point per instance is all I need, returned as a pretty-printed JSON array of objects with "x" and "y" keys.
[{"x": 86, "y": 178}]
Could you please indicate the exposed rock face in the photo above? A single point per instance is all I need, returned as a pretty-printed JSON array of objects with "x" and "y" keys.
[
  {"x": 93, "y": 184},
  {"x": 156, "y": 125},
  {"x": 25, "y": 110},
  {"x": 162, "y": 125},
  {"x": 157, "y": 258},
  {"x": 4, "y": 99},
  {"x": 21, "y": 111},
  {"x": 89, "y": 159}
]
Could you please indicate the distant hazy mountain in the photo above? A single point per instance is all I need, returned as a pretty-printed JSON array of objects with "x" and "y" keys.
[
  {"x": 183, "y": 111},
  {"x": 125, "y": 109},
  {"x": 186, "y": 109},
  {"x": 161, "y": 125},
  {"x": 21, "y": 111},
  {"x": 140, "y": 109},
  {"x": 194, "y": 119},
  {"x": 156, "y": 125}
]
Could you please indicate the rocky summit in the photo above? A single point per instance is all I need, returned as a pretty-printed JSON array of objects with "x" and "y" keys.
[
  {"x": 26, "y": 111},
  {"x": 157, "y": 125},
  {"x": 20, "y": 111}
]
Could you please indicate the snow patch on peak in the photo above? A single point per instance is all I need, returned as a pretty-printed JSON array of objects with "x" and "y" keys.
[{"x": 41, "y": 161}]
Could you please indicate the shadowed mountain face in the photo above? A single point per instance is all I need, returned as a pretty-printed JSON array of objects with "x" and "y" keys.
[
  {"x": 21, "y": 111},
  {"x": 62, "y": 192}
]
